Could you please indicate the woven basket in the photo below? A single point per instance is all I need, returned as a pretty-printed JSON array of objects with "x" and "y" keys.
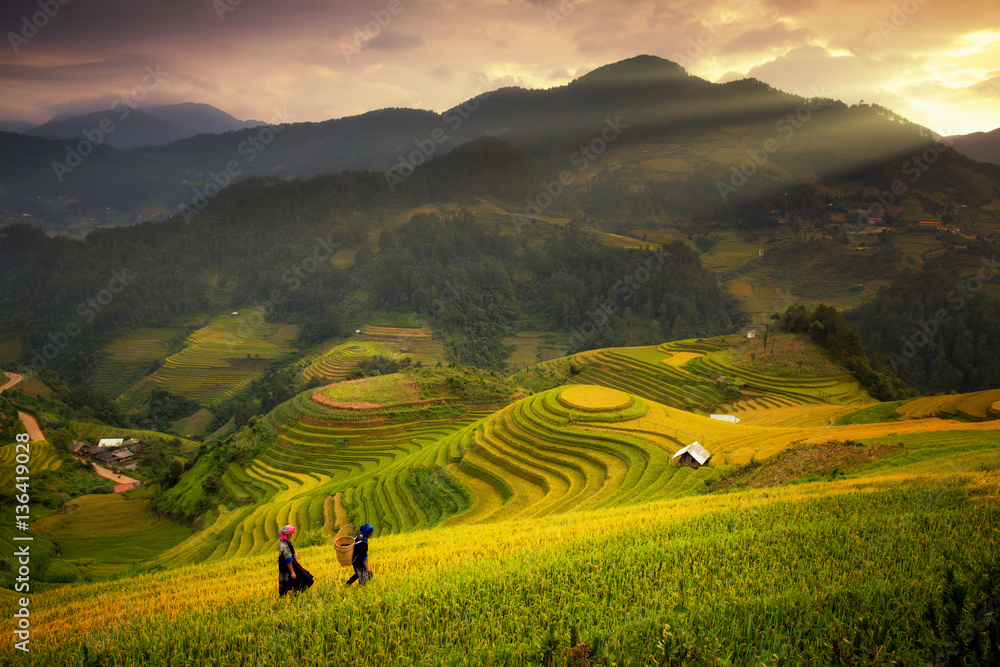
[{"x": 345, "y": 550}]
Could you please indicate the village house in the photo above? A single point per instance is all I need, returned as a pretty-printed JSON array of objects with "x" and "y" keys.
[{"x": 122, "y": 455}]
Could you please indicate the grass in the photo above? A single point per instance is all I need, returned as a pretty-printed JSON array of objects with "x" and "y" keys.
[
  {"x": 97, "y": 531},
  {"x": 369, "y": 393},
  {"x": 776, "y": 572},
  {"x": 784, "y": 355}
]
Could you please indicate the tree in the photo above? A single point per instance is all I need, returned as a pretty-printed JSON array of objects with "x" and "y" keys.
[{"x": 173, "y": 474}]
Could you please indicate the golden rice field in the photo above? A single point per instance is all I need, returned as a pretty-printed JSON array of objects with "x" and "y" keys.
[
  {"x": 975, "y": 406},
  {"x": 502, "y": 533},
  {"x": 790, "y": 571}
]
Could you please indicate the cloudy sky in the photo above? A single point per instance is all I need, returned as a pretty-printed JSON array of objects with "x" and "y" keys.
[{"x": 936, "y": 62}]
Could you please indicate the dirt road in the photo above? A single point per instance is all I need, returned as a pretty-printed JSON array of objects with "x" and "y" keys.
[
  {"x": 104, "y": 472},
  {"x": 31, "y": 426},
  {"x": 13, "y": 378}
]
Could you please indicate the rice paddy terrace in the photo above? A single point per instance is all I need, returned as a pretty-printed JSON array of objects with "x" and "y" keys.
[
  {"x": 396, "y": 460},
  {"x": 522, "y": 496},
  {"x": 396, "y": 342},
  {"x": 224, "y": 356},
  {"x": 692, "y": 375}
]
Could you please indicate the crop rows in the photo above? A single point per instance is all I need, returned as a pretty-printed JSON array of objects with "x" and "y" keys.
[
  {"x": 975, "y": 406},
  {"x": 397, "y": 342},
  {"x": 223, "y": 357},
  {"x": 770, "y": 570},
  {"x": 42, "y": 457}
]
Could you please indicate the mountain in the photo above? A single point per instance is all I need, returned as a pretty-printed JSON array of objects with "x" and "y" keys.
[
  {"x": 982, "y": 146},
  {"x": 708, "y": 127},
  {"x": 15, "y": 126},
  {"x": 123, "y": 127}
]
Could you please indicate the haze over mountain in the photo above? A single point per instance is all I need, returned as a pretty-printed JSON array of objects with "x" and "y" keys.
[
  {"x": 646, "y": 98},
  {"x": 143, "y": 126},
  {"x": 982, "y": 146},
  {"x": 15, "y": 126}
]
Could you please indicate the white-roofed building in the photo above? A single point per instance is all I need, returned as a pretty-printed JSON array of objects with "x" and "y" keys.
[
  {"x": 110, "y": 442},
  {"x": 694, "y": 455},
  {"x": 732, "y": 419}
]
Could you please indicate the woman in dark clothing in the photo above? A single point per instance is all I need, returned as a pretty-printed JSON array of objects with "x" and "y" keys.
[
  {"x": 291, "y": 575},
  {"x": 362, "y": 570}
]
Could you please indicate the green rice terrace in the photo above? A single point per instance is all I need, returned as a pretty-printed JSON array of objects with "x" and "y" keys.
[
  {"x": 709, "y": 376},
  {"x": 369, "y": 341},
  {"x": 547, "y": 488},
  {"x": 224, "y": 356}
]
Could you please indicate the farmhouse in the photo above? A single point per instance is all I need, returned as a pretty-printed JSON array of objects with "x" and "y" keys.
[
  {"x": 105, "y": 457},
  {"x": 89, "y": 451},
  {"x": 110, "y": 442},
  {"x": 77, "y": 446},
  {"x": 122, "y": 455},
  {"x": 693, "y": 456}
]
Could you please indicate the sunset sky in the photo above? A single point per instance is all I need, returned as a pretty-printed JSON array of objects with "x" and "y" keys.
[{"x": 935, "y": 62}]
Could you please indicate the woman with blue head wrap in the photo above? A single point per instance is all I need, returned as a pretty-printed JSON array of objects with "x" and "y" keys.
[{"x": 362, "y": 569}]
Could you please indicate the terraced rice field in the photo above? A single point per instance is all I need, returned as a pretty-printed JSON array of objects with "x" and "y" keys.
[
  {"x": 102, "y": 534},
  {"x": 43, "y": 457},
  {"x": 683, "y": 373},
  {"x": 974, "y": 406},
  {"x": 799, "y": 569},
  {"x": 129, "y": 357},
  {"x": 224, "y": 356},
  {"x": 395, "y": 342}
]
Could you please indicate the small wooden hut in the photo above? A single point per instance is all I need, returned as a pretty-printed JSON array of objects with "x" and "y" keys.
[{"x": 693, "y": 456}]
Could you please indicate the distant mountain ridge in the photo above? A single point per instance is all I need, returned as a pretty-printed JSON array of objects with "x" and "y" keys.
[
  {"x": 982, "y": 146},
  {"x": 19, "y": 126},
  {"x": 650, "y": 99},
  {"x": 143, "y": 126}
]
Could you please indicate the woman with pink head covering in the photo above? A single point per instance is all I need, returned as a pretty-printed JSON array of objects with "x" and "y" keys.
[{"x": 291, "y": 575}]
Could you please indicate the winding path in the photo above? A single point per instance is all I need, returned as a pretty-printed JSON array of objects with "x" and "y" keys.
[{"x": 30, "y": 425}]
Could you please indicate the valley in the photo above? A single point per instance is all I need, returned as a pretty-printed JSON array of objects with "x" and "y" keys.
[{"x": 638, "y": 369}]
